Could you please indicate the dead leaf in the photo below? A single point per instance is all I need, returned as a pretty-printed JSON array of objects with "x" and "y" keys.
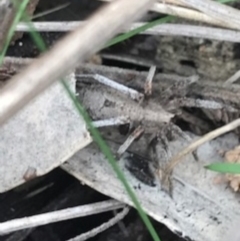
[
  {"x": 198, "y": 209},
  {"x": 41, "y": 137}
]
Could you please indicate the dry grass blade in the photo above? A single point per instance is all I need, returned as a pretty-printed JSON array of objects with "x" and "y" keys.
[
  {"x": 216, "y": 10},
  {"x": 194, "y": 145},
  {"x": 66, "y": 54},
  {"x": 131, "y": 138},
  {"x": 102, "y": 227},
  {"x": 191, "y": 15},
  {"x": 187, "y": 13},
  {"x": 60, "y": 215},
  {"x": 60, "y": 7}
]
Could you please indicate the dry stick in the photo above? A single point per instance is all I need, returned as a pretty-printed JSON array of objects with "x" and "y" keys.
[
  {"x": 52, "y": 10},
  {"x": 102, "y": 227},
  {"x": 134, "y": 94},
  {"x": 148, "y": 82},
  {"x": 120, "y": 120},
  {"x": 216, "y": 10},
  {"x": 133, "y": 136},
  {"x": 56, "y": 216},
  {"x": 55, "y": 204},
  {"x": 138, "y": 61},
  {"x": 122, "y": 226},
  {"x": 193, "y": 146},
  {"x": 204, "y": 104},
  {"x": 7, "y": 12},
  {"x": 50, "y": 26},
  {"x": 194, "y": 31},
  {"x": 233, "y": 78},
  {"x": 163, "y": 29},
  {"x": 188, "y": 14},
  {"x": 67, "y": 54}
]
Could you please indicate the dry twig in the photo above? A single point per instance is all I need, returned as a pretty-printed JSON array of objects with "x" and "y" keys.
[
  {"x": 102, "y": 227},
  {"x": 133, "y": 136},
  {"x": 219, "y": 34},
  {"x": 120, "y": 120},
  {"x": 134, "y": 94},
  {"x": 193, "y": 31},
  {"x": 67, "y": 53},
  {"x": 52, "y": 10},
  {"x": 194, "y": 145},
  {"x": 233, "y": 78},
  {"x": 148, "y": 82},
  {"x": 56, "y": 216}
]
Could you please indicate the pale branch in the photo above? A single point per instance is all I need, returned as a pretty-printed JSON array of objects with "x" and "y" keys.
[
  {"x": 60, "y": 215},
  {"x": 166, "y": 29}
]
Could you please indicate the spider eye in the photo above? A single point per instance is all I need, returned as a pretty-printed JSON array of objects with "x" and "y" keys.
[{"x": 124, "y": 129}]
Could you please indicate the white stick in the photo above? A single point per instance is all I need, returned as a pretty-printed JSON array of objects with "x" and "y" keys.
[
  {"x": 136, "y": 133},
  {"x": 50, "y": 26},
  {"x": 194, "y": 145},
  {"x": 233, "y": 78},
  {"x": 163, "y": 29},
  {"x": 205, "y": 104},
  {"x": 111, "y": 122},
  {"x": 135, "y": 95},
  {"x": 193, "y": 31},
  {"x": 102, "y": 227},
  {"x": 148, "y": 83},
  {"x": 137, "y": 61},
  {"x": 56, "y": 216}
]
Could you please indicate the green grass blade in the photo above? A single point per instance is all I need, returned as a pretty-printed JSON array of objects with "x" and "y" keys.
[
  {"x": 226, "y": 1},
  {"x": 138, "y": 30},
  {"x": 224, "y": 167},
  {"x": 36, "y": 37},
  {"x": 19, "y": 12}
]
